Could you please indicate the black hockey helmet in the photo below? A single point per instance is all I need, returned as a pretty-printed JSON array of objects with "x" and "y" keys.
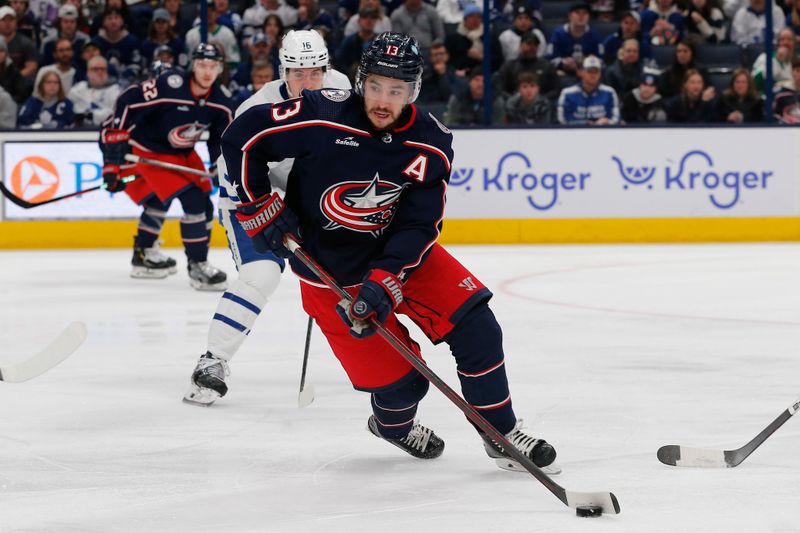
[
  {"x": 206, "y": 51},
  {"x": 159, "y": 67},
  {"x": 394, "y": 55}
]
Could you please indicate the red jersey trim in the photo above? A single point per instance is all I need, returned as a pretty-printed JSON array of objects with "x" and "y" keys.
[
  {"x": 436, "y": 237},
  {"x": 431, "y": 149},
  {"x": 411, "y": 120},
  {"x": 304, "y": 124},
  {"x": 157, "y": 101}
]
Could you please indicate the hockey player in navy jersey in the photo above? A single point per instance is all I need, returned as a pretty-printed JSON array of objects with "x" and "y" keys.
[
  {"x": 304, "y": 65},
  {"x": 366, "y": 196},
  {"x": 162, "y": 119}
]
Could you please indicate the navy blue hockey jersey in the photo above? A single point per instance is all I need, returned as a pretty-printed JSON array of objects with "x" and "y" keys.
[
  {"x": 365, "y": 199},
  {"x": 164, "y": 117}
]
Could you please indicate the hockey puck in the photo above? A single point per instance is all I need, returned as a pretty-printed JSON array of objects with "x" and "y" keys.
[{"x": 591, "y": 511}]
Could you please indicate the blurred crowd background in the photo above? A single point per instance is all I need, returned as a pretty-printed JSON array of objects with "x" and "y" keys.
[{"x": 64, "y": 62}]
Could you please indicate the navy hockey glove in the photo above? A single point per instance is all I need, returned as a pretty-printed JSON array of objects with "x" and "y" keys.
[
  {"x": 115, "y": 145},
  {"x": 267, "y": 221},
  {"x": 111, "y": 178},
  {"x": 380, "y": 294}
]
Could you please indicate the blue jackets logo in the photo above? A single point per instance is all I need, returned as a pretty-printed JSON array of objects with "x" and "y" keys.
[
  {"x": 514, "y": 172},
  {"x": 697, "y": 170},
  {"x": 362, "y": 206}
]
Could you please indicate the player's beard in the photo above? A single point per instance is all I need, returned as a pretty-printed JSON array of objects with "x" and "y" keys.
[{"x": 386, "y": 117}]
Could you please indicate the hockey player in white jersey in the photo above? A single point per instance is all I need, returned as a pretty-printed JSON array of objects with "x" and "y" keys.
[{"x": 304, "y": 65}]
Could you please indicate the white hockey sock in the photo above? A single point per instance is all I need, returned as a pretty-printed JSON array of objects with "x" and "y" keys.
[{"x": 240, "y": 305}]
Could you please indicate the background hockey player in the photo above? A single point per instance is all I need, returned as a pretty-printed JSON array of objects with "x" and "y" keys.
[
  {"x": 366, "y": 195},
  {"x": 304, "y": 65},
  {"x": 162, "y": 119}
]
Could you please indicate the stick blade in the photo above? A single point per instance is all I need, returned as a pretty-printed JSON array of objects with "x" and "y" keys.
[
  {"x": 306, "y": 396},
  {"x": 62, "y": 347},
  {"x": 605, "y": 500},
  {"x": 674, "y": 455},
  {"x": 13, "y": 198}
]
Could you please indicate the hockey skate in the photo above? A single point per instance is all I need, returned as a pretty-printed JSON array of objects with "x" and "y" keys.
[
  {"x": 539, "y": 451},
  {"x": 421, "y": 442},
  {"x": 150, "y": 263},
  {"x": 203, "y": 276},
  {"x": 208, "y": 381}
]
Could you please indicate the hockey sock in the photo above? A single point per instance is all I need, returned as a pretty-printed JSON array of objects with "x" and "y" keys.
[
  {"x": 477, "y": 345},
  {"x": 395, "y": 409},
  {"x": 240, "y": 305},
  {"x": 194, "y": 224},
  {"x": 150, "y": 223}
]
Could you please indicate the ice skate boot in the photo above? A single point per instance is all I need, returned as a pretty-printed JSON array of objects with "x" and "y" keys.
[
  {"x": 539, "y": 451},
  {"x": 155, "y": 255},
  {"x": 208, "y": 381},
  {"x": 421, "y": 442},
  {"x": 203, "y": 276},
  {"x": 150, "y": 263}
]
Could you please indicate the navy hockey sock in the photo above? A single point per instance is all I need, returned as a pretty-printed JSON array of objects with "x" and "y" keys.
[
  {"x": 477, "y": 345},
  {"x": 195, "y": 236},
  {"x": 194, "y": 224},
  {"x": 395, "y": 409},
  {"x": 150, "y": 223}
]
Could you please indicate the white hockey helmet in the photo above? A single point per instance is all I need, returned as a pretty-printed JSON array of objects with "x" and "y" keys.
[{"x": 303, "y": 49}]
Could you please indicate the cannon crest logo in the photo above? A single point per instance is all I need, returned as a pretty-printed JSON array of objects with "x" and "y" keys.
[{"x": 362, "y": 206}]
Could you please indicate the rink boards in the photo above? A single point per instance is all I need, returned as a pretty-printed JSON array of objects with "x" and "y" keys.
[{"x": 506, "y": 186}]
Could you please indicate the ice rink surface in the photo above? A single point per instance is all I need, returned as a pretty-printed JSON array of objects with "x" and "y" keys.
[{"x": 612, "y": 351}]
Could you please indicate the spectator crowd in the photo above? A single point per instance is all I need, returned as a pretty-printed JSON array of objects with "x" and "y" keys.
[{"x": 64, "y": 62}]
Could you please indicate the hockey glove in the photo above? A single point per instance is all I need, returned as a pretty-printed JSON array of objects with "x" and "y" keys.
[
  {"x": 111, "y": 178},
  {"x": 115, "y": 145},
  {"x": 380, "y": 294},
  {"x": 267, "y": 221}
]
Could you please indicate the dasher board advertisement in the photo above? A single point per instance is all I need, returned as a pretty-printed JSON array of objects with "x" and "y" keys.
[{"x": 39, "y": 171}]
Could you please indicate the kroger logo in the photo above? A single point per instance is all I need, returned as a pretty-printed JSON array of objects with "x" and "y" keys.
[
  {"x": 696, "y": 171},
  {"x": 514, "y": 172}
]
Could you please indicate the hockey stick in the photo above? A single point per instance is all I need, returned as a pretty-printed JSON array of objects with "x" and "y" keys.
[
  {"x": 605, "y": 500},
  {"x": 674, "y": 455},
  {"x": 306, "y": 394},
  {"x": 28, "y": 205},
  {"x": 132, "y": 158},
  {"x": 58, "y": 350}
]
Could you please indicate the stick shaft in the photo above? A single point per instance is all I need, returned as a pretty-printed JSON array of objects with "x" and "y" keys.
[
  {"x": 132, "y": 158},
  {"x": 305, "y": 354},
  {"x": 14, "y": 199},
  {"x": 423, "y": 369}
]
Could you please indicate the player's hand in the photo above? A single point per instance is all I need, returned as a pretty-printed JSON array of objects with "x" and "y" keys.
[
  {"x": 111, "y": 178},
  {"x": 380, "y": 294},
  {"x": 214, "y": 175},
  {"x": 267, "y": 221}
]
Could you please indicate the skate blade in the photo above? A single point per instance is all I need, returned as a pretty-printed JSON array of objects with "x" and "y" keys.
[
  {"x": 148, "y": 273},
  {"x": 200, "y": 286},
  {"x": 512, "y": 466},
  {"x": 200, "y": 396}
]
